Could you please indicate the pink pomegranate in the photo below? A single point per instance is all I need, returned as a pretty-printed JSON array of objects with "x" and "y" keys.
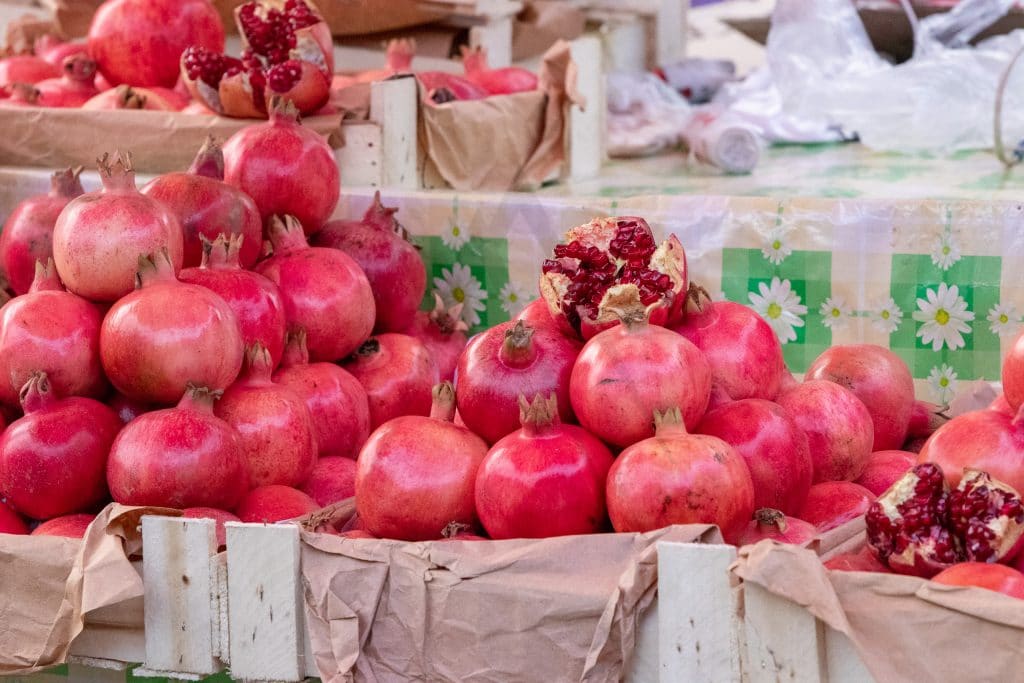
[
  {"x": 333, "y": 479},
  {"x": 275, "y": 503},
  {"x": 993, "y": 577},
  {"x": 254, "y": 299},
  {"x": 545, "y": 479},
  {"x": 26, "y": 69},
  {"x": 218, "y": 516},
  {"x": 884, "y": 468},
  {"x": 398, "y": 56},
  {"x": 324, "y": 291},
  {"x": 505, "y": 362},
  {"x": 73, "y": 88},
  {"x": 53, "y": 460},
  {"x": 773, "y": 446},
  {"x": 863, "y": 560},
  {"x": 536, "y": 314},
  {"x": 675, "y": 477},
  {"x": 53, "y": 50},
  {"x": 179, "y": 457},
  {"x": 1001, "y": 405},
  {"x": 127, "y": 409},
  {"x": 397, "y": 373},
  {"x": 27, "y": 236},
  {"x": 445, "y": 87},
  {"x": 208, "y": 207},
  {"x": 776, "y": 526},
  {"x": 443, "y": 332},
  {"x": 925, "y": 418},
  {"x": 392, "y": 263},
  {"x": 503, "y": 81},
  {"x": 1013, "y": 373},
  {"x": 10, "y": 522},
  {"x": 285, "y": 167},
  {"x": 68, "y": 526},
  {"x": 833, "y": 503},
  {"x": 99, "y": 236},
  {"x": 986, "y": 440},
  {"x": 336, "y": 400},
  {"x": 625, "y": 373},
  {"x": 53, "y": 331},
  {"x": 127, "y": 97},
  {"x": 416, "y": 474}
]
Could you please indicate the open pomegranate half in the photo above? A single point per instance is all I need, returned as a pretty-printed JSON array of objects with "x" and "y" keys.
[
  {"x": 613, "y": 251},
  {"x": 287, "y": 51}
]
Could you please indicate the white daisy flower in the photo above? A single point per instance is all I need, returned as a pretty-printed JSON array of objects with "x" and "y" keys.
[
  {"x": 457, "y": 234},
  {"x": 780, "y": 306},
  {"x": 887, "y": 317},
  {"x": 942, "y": 380},
  {"x": 1003, "y": 319},
  {"x": 945, "y": 317},
  {"x": 458, "y": 286},
  {"x": 513, "y": 298},
  {"x": 834, "y": 312},
  {"x": 775, "y": 247},
  {"x": 946, "y": 252}
]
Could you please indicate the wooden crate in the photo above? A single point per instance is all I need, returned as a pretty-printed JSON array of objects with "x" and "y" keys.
[{"x": 640, "y": 34}]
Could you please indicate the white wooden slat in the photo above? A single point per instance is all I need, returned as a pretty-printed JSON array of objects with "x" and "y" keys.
[
  {"x": 587, "y": 126},
  {"x": 644, "y": 666},
  {"x": 843, "y": 662},
  {"x": 110, "y": 642},
  {"x": 625, "y": 44},
  {"x": 219, "y": 606},
  {"x": 670, "y": 31},
  {"x": 360, "y": 160},
  {"x": 495, "y": 37},
  {"x": 784, "y": 640},
  {"x": 393, "y": 107}
]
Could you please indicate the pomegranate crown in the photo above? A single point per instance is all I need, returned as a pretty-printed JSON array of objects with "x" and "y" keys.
[
  {"x": 198, "y": 397},
  {"x": 670, "y": 418},
  {"x": 129, "y": 98},
  {"x": 79, "y": 67},
  {"x": 209, "y": 160},
  {"x": 772, "y": 518},
  {"x": 36, "y": 392},
  {"x": 453, "y": 529},
  {"x": 443, "y": 405},
  {"x": 541, "y": 412},
  {"x": 66, "y": 182},
  {"x": 448, "y": 320},
  {"x": 222, "y": 251},
  {"x": 46, "y": 278},
  {"x": 295, "y": 351},
  {"x": 118, "y": 165}
]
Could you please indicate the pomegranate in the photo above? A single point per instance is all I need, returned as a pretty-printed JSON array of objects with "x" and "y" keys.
[
  {"x": 398, "y": 57},
  {"x": 139, "y": 42},
  {"x": 416, "y": 474},
  {"x": 285, "y": 167},
  {"x": 73, "y": 88},
  {"x": 333, "y": 479},
  {"x": 988, "y": 516},
  {"x": 127, "y": 97},
  {"x": 273, "y": 421},
  {"x": 625, "y": 373},
  {"x": 880, "y": 379},
  {"x": 864, "y": 560},
  {"x": 838, "y": 427},
  {"x": 507, "y": 361},
  {"x": 54, "y": 331},
  {"x": 26, "y": 69},
  {"x": 218, "y": 516},
  {"x": 545, "y": 479},
  {"x": 19, "y": 95},
  {"x": 126, "y": 408},
  {"x": 27, "y": 236},
  {"x": 675, "y": 477},
  {"x": 993, "y": 577},
  {"x": 884, "y": 468},
  {"x": 925, "y": 418},
  {"x": 337, "y": 402},
  {"x": 324, "y": 291},
  {"x": 445, "y": 87},
  {"x": 167, "y": 334},
  {"x": 443, "y": 332},
  {"x": 460, "y": 532},
  {"x": 68, "y": 526},
  {"x": 833, "y": 503},
  {"x": 10, "y": 522},
  {"x": 536, "y": 314},
  {"x": 1001, "y": 405},
  {"x": 53, "y": 460},
  {"x": 391, "y": 262},
  {"x": 397, "y": 373},
  {"x": 606, "y": 252},
  {"x": 1013, "y": 374},
  {"x": 179, "y": 457},
  {"x": 775, "y": 525},
  {"x": 504, "y": 81},
  {"x": 771, "y": 444},
  {"x": 275, "y": 503},
  {"x": 53, "y": 50},
  {"x": 99, "y": 236},
  {"x": 984, "y": 439}
]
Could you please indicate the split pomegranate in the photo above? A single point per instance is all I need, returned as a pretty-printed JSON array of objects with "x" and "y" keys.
[
  {"x": 53, "y": 460},
  {"x": 776, "y": 526},
  {"x": 337, "y": 402},
  {"x": 545, "y": 479},
  {"x": 10, "y": 522},
  {"x": 68, "y": 526},
  {"x": 884, "y": 468},
  {"x": 625, "y": 373},
  {"x": 167, "y": 334},
  {"x": 324, "y": 291},
  {"x": 771, "y": 444},
  {"x": 333, "y": 479},
  {"x": 416, "y": 474},
  {"x": 838, "y": 427},
  {"x": 987, "y": 440},
  {"x": 864, "y": 560},
  {"x": 126, "y": 408},
  {"x": 275, "y": 503},
  {"x": 27, "y": 236},
  {"x": 679, "y": 478},
  {"x": 503, "y": 81},
  {"x": 392, "y": 263},
  {"x": 127, "y": 97},
  {"x": 508, "y": 361},
  {"x": 26, "y": 69},
  {"x": 179, "y": 457},
  {"x": 993, "y": 577},
  {"x": 1013, "y": 374},
  {"x": 139, "y": 42},
  {"x": 989, "y": 516},
  {"x": 397, "y": 373},
  {"x": 73, "y": 88},
  {"x": 99, "y": 236},
  {"x": 925, "y": 418},
  {"x": 443, "y": 332},
  {"x": 285, "y": 167},
  {"x": 833, "y": 503},
  {"x": 218, "y": 516},
  {"x": 54, "y": 331}
]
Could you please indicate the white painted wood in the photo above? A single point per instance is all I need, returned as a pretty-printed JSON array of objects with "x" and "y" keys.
[
  {"x": 670, "y": 31},
  {"x": 843, "y": 663},
  {"x": 644, "y": 666},
  {"x": 219, "y": 606},
  {"x": 587, "y": 126},
  {"x": 264, "y": 595},
  {"x": 110, "y": 642},
  {"x": 785, "y": 642},
  {"x": 625, "y": 43},
  {"x": 495, "y": 37},
  {"x": 698, "y": 608},
  {"x": 360, "y": 159},
  {"x": 393, "y": 107}
]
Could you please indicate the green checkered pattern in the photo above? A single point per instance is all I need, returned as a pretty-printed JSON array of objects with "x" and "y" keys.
[{"x": 487, "y": 259}]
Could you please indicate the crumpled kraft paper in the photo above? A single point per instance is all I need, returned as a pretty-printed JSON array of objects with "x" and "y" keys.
[
  {"x": 559, "y": 609},
  {"x": 48, "y": 585},
  {"x": 933, "y": 626}
]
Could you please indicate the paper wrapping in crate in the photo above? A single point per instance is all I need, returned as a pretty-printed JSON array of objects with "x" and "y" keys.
[{"x": 559, "y": 609}]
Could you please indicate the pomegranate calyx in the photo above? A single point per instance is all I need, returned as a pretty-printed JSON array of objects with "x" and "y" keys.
[
  {"x": 154, "y": 268},
  {"x": 295, "y": 350},
  {"x": 286, "y": 234},
  {"x": 370, "y": 347},
  {"x": 282, "y": 110},
  {"x": 668, "y": 421},
  {"x": 209, "y": 161},
  {"x": 454, "y": 529},
  {"x": 697, "y": 299},
  {"x": 79, "y": 68},
  {"x": 517, "y": 350},
  {"x": 258, "y": 364},
  {"x": 46, "y": 278},
  {"x": 767, "y": 519},
  {"x": 116, "y": 172},
  {"x": 443, "y": 405},
  {"x": 539, "y": 414},
  {"x": 129, "y": 98},
  {"x": 448, "y": 320},
  {"x": 399, "y": 54},
  {"x": 474, "y": 59},
  {"x": 36, "y": 393},
  {"x": 622, "y": 303},
  {"x": 199, "y": 398},
  {"x": 66, "y": 183},
  {"x": 24, "y": 92},
  {"x": 222, "y": 253}
]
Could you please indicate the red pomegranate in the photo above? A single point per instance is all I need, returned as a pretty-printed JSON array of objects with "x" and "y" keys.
[
  {"x": 1013, "y": 374},
  {"x": 127, "y": 97},
  {"x": 333, "y": 479},
  {"x": 179, "y": 457},
  {"x": 73, "y": 88},
  {"x": 536, "y": 314},
  {"x": 139, "y": 42},
  {"x": 416, "y": 474},
  {"x": 508, "y": 361},
  {"x": 167, "y": 334},
  {"x": 443, "y": 332},
  {"x": 771, "y": 444},
  {"x": 53, "y": 460},
  {"x": 53, "y": 331},
  {"x": 503, "y": 81},
  {"x": 833, "y": 503},
  {"x": 285, "y": 167},
  {"x": 99, "y": 236},
  {"x": 26, "y": 69},
  {"x": 127, "y": 409},
  {"x": 336, "y": 400},
  {"x": 776, "y": 526},
  {"x": 273, "y": 422},
  {"x": 52, "y": 49},
  {"x": 1001, "y": 405},
  {"x": 607, "y": 252},
  {"x": 864, "y": 560},
  {"x": 275, "y": 503},
  {"x": 324, "y": 291},
  {"x": 545, "y": 479},
  {"x": 625, "y": 373},
  {"x": 838, "y": 427},
  {"x": 397, "y": 373},
  {"x": 218, "y": 516},
  {"x": 27, "y": 236},
  {"x": 986, "y": 440},
  {"x": 392, "y": 263},
  {"x": 884, "y": 468},
  {"x": 68, "y": 526},
  {"x": 10, "y": 522},
  {"x": 398, "y": 56},
  {"x": 993, "y": 577},
  {"x": 254, "y": 299},
  {"x": 443, "y": 87},
  {"x": 925, "y": 418},
  {"x": 208, "y": 207}
]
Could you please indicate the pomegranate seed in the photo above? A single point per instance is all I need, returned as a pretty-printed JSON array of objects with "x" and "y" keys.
[{"x": 283, "y": 77}]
